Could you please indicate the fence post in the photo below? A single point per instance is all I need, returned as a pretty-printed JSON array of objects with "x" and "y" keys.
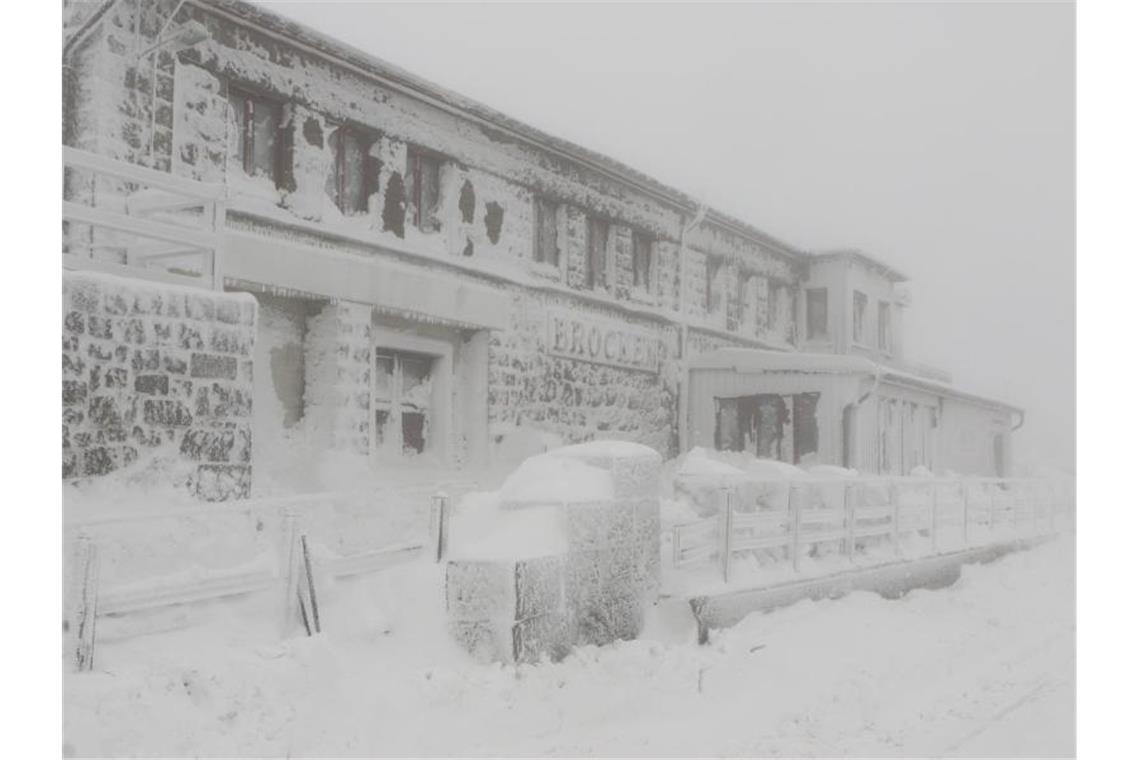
[
  {"x": 896, "y": 504},
  {"x": 794, "y": 517},
  {"x": 849, "y": 521},
  {"x": 82, "y": 604},
  {"x": 726, "y": 546},
  {"x": 934, "y": 518},
  {"x": 965, "y": 513},
  {"x": 440, "y": 517}
]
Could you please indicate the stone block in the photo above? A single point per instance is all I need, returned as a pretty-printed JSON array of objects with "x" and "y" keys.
[
  {"x": 545, "y": 636},
  {"x": 480, "y": 590},
  {"x": 213, "y": 366},
  {"x": 222, "y": 482},
  {"x": 484, "y": 640},
  {"x": 165, "y": 412}
]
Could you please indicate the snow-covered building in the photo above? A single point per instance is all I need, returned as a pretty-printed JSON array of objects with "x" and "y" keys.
[{"x": 431, "y": 280}]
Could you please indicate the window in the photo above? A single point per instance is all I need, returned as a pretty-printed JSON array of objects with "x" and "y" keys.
[
  {"x": 859, "y": 317},
  {"x": 773, "y": 315},
  {"x": 349, "y": 182},
  {"x": 642, "y": 262},
  {"x": 816, "y": 313},
  {"x": 546, "y": 231},
  {"x": 255, "y": 143},
  {"x": 885, "y": 337},
  {"x": 423, "y": 189},
  {"x": 597, "y": 235},
  {"x": 714, "y": 286},
  {"x": 401, "y": 401}
]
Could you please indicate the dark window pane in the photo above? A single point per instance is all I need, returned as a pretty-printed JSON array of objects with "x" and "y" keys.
[
  {"x": 546, "y": 231},
  {"x": 806, "y": 428},
  {"x": 858, "y": 316},
  {"x": 382, "y": 380},
  {"x": 597, "y": 235},
  {"x": 413, "y": 429},
  {"x": 382, "y": 416},
  {"x": 817, "y": 313},
  {"x": 642, "y": 259},
  {"x": 264, "y": 131}
]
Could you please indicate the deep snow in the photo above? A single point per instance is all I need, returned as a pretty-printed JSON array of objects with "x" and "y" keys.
[{"x": 985, "y": 667}]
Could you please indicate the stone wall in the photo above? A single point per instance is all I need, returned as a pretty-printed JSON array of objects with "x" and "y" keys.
[
  {"x": 149, "y": 366},
  {"x": 579, "y": 401}
]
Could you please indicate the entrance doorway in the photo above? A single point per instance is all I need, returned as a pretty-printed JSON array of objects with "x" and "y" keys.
[{"x": 770, "y": 425}]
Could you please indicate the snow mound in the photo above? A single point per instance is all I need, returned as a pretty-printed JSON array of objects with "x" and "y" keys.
[{"x": 554, "y": 478}]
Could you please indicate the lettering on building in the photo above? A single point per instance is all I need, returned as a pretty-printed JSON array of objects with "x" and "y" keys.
[{"x": 602, "y": 341}]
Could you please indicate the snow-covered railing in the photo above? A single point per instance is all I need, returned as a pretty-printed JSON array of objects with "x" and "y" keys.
[
  {"x": 129, "y": 220},
  {"x": 929, "y": 515},
  {"x": 166, "y": 558}
]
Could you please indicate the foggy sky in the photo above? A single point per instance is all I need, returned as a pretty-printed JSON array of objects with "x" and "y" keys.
[{"x": 937, "y": 137}]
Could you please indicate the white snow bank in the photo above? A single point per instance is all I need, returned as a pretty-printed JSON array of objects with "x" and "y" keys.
[
  {"x": 482, "y": 530},
  {"x": 911, "y": 678},
  {"x": 553, "y": 478},
  {"x": 700, "y": 462},
  {"x": 605, "y": 449}
]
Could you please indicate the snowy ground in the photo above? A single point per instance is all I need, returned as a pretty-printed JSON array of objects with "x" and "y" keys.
[{"x": 985, "y": 667}]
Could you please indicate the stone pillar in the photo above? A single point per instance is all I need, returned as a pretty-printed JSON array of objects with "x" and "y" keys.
[
  {"x": 338, "y": 376},
  {"x": 593, "y": 580}
]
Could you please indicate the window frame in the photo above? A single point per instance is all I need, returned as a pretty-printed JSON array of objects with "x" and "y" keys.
[
  {"x": 859, "y": 317},
  {"x": 538, "y": 256},
  {"x": 250, "y": 97},
  {"x": 416, "y": 156},
  {"x": 714, "y": 285},
  {"x": 644, "y": 289},
  {"x": 885, "y": 328},
  {"x": 365, "y": 138},
  {"x": 397, "y": 404},
  {"x": 597, "y": 274},
  {"x": 821, "y": 333}
]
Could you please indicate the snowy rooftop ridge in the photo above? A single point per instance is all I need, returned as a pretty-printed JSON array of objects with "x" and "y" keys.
[
  {"x": 857, "y": 254},
  {"x": 248, "y": 13}
]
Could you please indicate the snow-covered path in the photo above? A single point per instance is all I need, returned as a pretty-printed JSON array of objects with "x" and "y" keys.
[{"x": 985, "y": 667}]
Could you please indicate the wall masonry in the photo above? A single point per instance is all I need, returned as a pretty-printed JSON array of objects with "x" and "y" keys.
[
  {"x": 338, "y": 376},
  {"x": 149, "y": 366}
]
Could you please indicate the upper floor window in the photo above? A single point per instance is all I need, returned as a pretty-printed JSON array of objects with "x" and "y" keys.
[
  {"x": 349, "y": 184},
  {"x": 423, "y": 188},
  {"x": 714, "y": 284},
  {"x": 886, "y": 338},
  {"x": 816, "y": 313},
  {"x": 859, "y": 317},
  {"x": 597, "y": 237},
  {"x": 772, "y": 317},
  {"x": 546, "y": 231},
  {"x": 255, "y": 139},
  {"x": 642, "y": 262}
]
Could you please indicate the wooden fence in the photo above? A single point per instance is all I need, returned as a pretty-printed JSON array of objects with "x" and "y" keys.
[
  {"x": 856, "y": 515},
  {"x": 122, "y": 564}
]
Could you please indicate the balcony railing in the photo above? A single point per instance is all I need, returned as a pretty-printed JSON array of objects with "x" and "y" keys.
[{"x": 137, "y": 222}]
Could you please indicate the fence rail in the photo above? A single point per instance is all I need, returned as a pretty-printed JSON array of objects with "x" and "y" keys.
[
  {"x": 126, "y": 219},
  {"x": 858, "y": 515}
]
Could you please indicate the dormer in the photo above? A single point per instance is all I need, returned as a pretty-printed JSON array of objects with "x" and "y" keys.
[{"x": 853, "y": 305}]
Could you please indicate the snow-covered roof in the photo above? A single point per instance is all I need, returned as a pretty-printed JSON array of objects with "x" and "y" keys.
[
  {"x": 417, "y": 86},
  {"x": 754, "y": 360},
  {"x": 854, "y": 254}
]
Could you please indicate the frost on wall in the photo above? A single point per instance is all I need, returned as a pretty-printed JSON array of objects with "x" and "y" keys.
[
  {"x": 338, "y": 377},
  {"x": 149, "y": 368},
  {"x": 528, "y": 386}
]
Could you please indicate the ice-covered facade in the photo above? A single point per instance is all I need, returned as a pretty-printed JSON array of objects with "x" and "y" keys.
[{"x": 435, "y": 281}]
